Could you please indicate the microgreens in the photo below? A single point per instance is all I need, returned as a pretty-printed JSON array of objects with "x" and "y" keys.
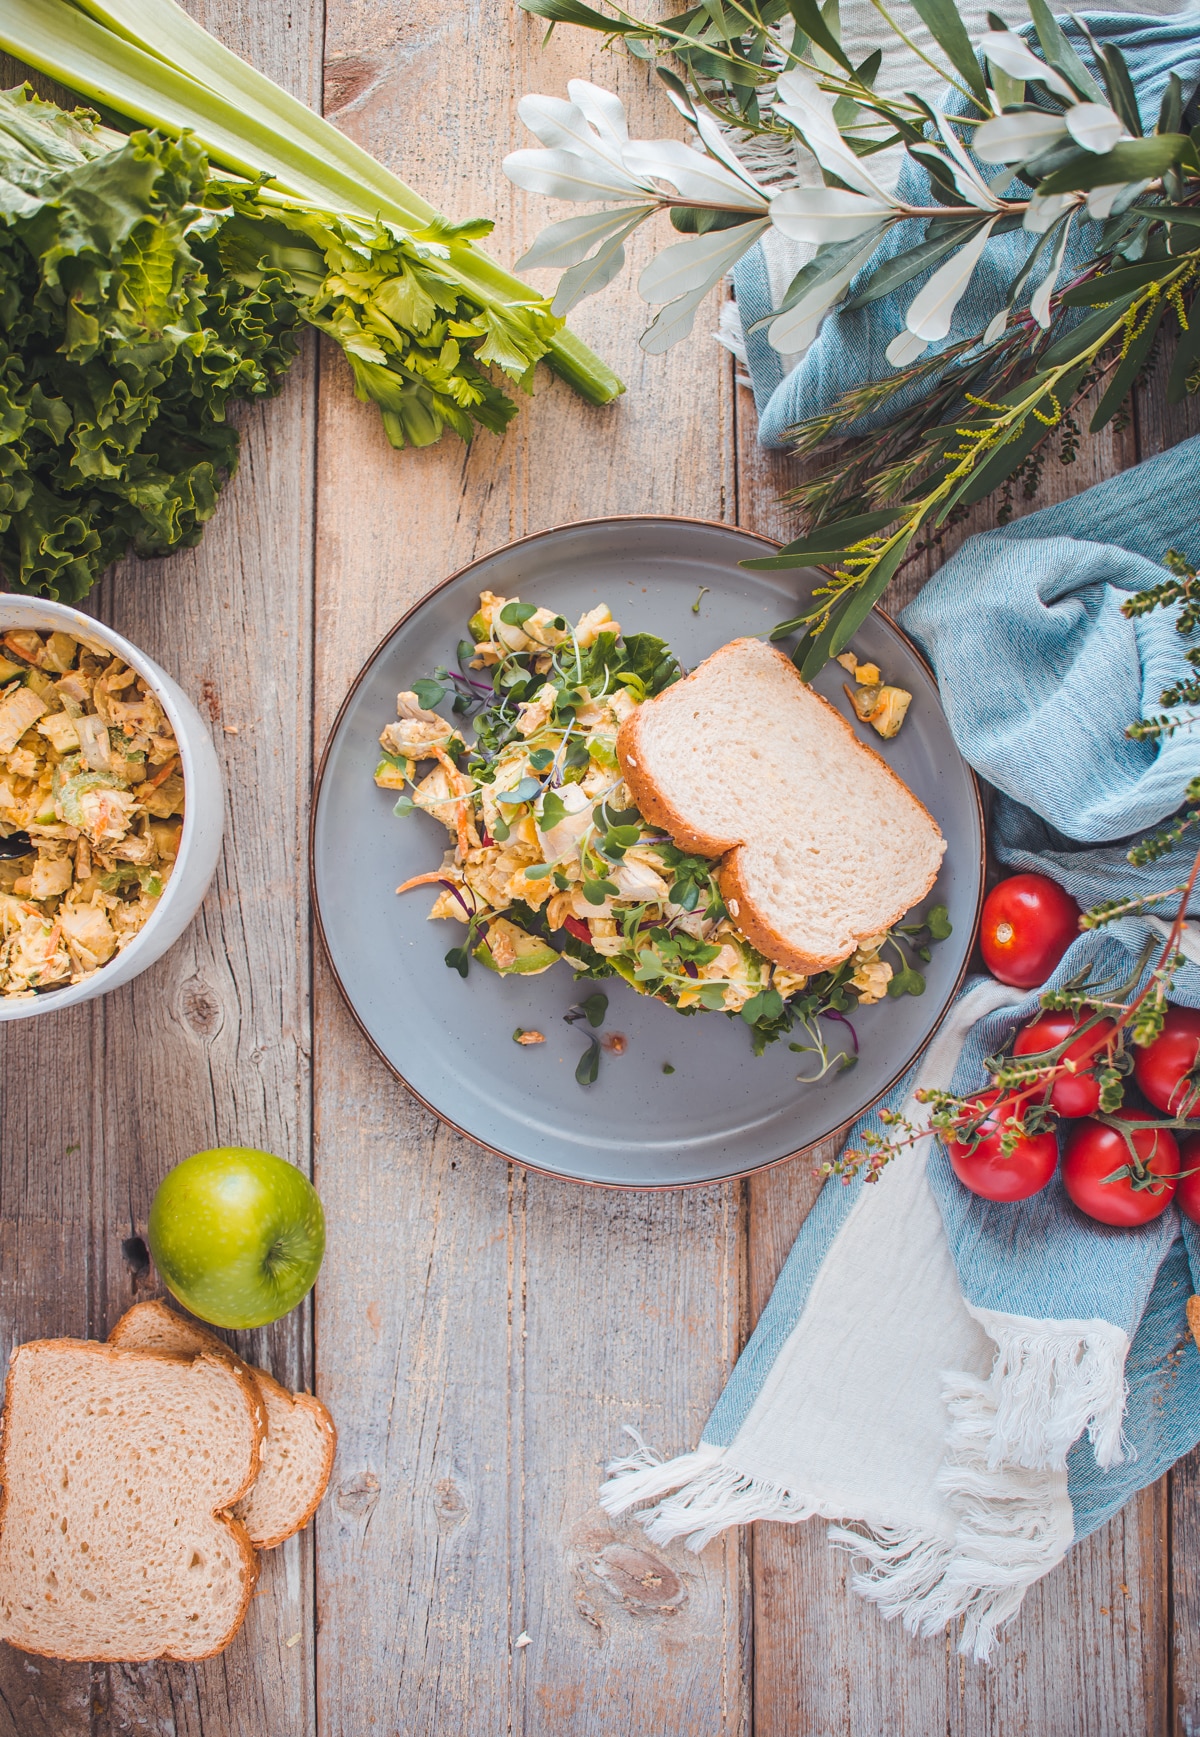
[
  {"x": 593, "y": 1009},
  {"x": 429, "y": 693}
]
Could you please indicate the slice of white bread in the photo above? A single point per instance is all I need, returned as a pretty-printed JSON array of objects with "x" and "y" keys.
[
  {"x": 821, "y": 844},
  {"x": 118, "y": 1470},
  {"x": 297, "y": 1455}
]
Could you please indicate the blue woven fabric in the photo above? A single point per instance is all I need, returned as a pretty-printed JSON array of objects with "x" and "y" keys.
[
  {"x": 1037, "y": 604},
  {"x": 850, "y": 347},
  {"x": 1039, "y": 674}
]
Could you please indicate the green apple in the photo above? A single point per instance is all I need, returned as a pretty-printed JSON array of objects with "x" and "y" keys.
[{"x": 237, "y": 1235}]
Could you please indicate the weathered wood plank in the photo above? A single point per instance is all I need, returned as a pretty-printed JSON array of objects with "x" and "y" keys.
[
  {"x": 482, "y": 1352},
  {"x": 211, "y": 1045}
]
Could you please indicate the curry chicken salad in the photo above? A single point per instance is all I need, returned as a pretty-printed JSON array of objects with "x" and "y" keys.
[
  {"x": 91, "y": 808},
  {"x": 547, "y": 857}
]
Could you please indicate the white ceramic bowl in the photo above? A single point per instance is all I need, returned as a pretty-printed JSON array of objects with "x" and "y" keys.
[{"x": 204, "y": 809}]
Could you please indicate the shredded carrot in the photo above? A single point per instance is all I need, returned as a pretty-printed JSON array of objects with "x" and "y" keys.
[
  {"x": 18, "y": 651},
  {"x": 423, "y": 880},
  {"x": 163, "y": 773}
]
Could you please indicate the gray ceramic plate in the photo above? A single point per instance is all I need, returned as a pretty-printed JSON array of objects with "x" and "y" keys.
[{"x": 723, "y": 1111}]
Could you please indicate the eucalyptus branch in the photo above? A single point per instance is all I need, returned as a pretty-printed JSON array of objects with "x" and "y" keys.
[
  {"x": 867, "y": 564},
  {"x": 1079, "y": 152}
]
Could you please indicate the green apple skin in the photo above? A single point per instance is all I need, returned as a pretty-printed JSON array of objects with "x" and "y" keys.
[{"x": 237, "y": 1235}]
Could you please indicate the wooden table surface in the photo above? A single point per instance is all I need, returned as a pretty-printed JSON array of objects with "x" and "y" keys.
[{"x": 480, "y": 1334}]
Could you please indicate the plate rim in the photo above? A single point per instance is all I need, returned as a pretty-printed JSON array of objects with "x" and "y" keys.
[{"x": 769, "y": 543}]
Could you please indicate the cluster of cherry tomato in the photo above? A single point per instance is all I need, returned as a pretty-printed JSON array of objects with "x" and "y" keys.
[{"x": 1120, "y": 1178}]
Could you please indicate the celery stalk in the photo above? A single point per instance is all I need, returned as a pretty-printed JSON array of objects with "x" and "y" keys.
[{"x": 153, "y": 63}]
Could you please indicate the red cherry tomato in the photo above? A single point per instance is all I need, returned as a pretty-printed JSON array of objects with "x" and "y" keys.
[
  {"x": 1096, "y": 1152},
  {"x": 1161, "y": 1067},
  {"x": 1028, "y": 924},
  {"x": 1187, "y": 1194},
  {"x": 981, "y": 1166},
  {"x": 577, "y": 927},
  {"x": 1072, "y": 1094}
]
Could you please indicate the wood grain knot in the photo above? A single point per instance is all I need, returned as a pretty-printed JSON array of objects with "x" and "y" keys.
[
  {"x": 449, "y": 1504},
  {"x": 641, "y": 1582},
  {"x": 347, "y": 78},
  {"x": 200, "y": 1008},
  {"x": 136, "y": 1256},
  {"x": 359, "y": 1494}
]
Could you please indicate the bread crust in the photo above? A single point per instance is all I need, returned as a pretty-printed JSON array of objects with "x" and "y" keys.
[
  {"x": 321, "y": 1414},
  {"x": 237, "y": 1532},
  {"x": 173, "y": 1322},
  {"x": 662, "y": 813}
]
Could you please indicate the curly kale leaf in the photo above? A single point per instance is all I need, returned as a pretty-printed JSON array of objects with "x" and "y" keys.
[{"x": 122, "y": 343}]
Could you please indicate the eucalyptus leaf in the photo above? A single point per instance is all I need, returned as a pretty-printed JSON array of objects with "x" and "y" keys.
[
  {"x": 1084, "y": 334},
  {"x": 693, "y": 266},
  {"x": 1004, "y": 48},
  {"x": 677, "y": 91},
  {"x": 1170, "y": 111},
  {"x": 945, "y": 25},
  {"x": 565, "y": 244},
  {"x": 561, "y": 174},
  {"x": 932, "y": 308},
  {"x": 1094, "y": 126},
  {"x": 827, "y": 263},
  {"x": 592, "y": 275},
  {"x": 832, "y": 538},
  {"x": 1186, "y": 359},
  {"x": 675, "y": 320},
  {"x": 575, "y": 12},
  {"x": 1132, "y": 160},
  {"x": 1114, "y": 286},
  {"x": 824, "y": 214},
  {"x": 808, "y": 16},
  {"x": 895, "y": 273},
  {"x": 1060, "y": 54},
  {"x": 795, "y": 327},
  {"x": 696, "y": 176}
]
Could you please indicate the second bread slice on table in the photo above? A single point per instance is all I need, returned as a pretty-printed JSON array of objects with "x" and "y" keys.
[
  {"x": 821, "y": 845},
  {"x": 297, "y": 1455},
  {"x": 118, "y": 1471}
]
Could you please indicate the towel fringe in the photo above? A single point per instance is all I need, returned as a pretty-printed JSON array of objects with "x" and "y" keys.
[
  {"x": 1050, "y": 1381},
  {"x": 709, "y": 1494},
  {"x": 1009, "y": 1527},
  {"x": 1008, "y": 1534}
]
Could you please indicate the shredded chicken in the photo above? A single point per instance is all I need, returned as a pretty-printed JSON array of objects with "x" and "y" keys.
[{"x": 87, "y": 757}]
